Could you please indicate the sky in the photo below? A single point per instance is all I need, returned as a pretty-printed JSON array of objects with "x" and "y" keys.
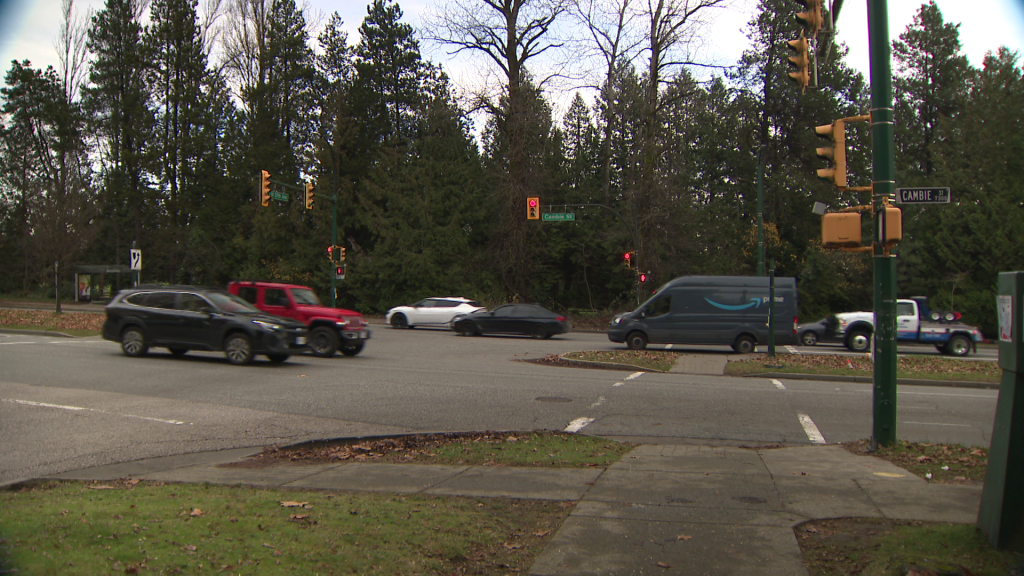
[{"x": 28, "y": 28}]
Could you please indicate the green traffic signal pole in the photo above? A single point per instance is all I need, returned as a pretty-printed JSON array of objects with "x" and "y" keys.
[
  {"x": 883, "y": 186},
  {"x": 334, "y": 242}
]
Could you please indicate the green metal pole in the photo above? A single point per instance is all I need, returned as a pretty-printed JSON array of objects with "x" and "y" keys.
[
  {"x": 771, "y": 310},
  {"x": 760, "y": 213},
  {"x": 334, "y": 242},
  {"x": 883, "y": 186}
]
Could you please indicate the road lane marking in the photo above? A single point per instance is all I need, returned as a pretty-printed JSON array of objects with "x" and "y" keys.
[
  {"x": 600, "y": 400},
  {"x": 811, "y": 430},
  {"x": 792, "y": 349},
  {"x": 938, "y": 424},
  {"x": 668, "y": 347},
  {"x": 7, "y": 343},
  {"x": 577, "y": 425},
  {"x": 632, "y": 376},
  {"x": 82, "y": 409},
  {"x": 778, "y": 384}
]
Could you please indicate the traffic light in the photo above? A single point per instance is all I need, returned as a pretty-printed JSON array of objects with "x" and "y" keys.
[
  {"x": 341, "y": 253},
  {"x": 265, "y": 188},
  {"x": 811, "y": 18},
  {"x": 643, "y": 277},
  {"x": 627, "y": 259},
  {"x": 310, "y": 195},
  {"x": 339, "y": 272},
  {"x": 802, "y": 60},
  {"x": 330, "y": 253},
  {"x": 533, "y": 208},
  {"x": 835, "y": 131},
  {"x": 840, "y": 230}
]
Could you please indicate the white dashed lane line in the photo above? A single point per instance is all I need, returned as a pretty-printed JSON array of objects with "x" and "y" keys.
[
  {"x": 579, "y": 423},
  {"x": 778, "y": 384},
  {"x": 811, "y": 430},
  {"x": 82, "y": 409}
]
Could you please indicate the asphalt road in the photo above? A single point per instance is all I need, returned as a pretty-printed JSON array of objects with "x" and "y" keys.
[{"x": 73, "y": 403}]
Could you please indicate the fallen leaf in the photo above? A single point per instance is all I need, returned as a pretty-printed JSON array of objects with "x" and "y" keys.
[
  {"x": 298, "y": 516},
  {"x": 293, "y": 504},
  {"x": 196, "y": 512},
  {"x": 542, "y": 533},
  {"x": 190, "y": 548},
  {"x": 513, "y": 546},
  {"x": 102, "y": 487},
  {"x": 683, "y": 537},
  {"x": 265, "y": 545},
  {"x": 664, "y": 565}
]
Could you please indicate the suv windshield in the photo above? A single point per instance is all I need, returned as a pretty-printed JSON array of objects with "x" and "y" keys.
[
  {"x": 305, "y": 297},
  {"x": 231, "y": 303}
]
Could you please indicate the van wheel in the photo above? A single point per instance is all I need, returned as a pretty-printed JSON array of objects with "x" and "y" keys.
[
  {"x": 636, "y": 341},
  {"x": 744, "y": 344}
]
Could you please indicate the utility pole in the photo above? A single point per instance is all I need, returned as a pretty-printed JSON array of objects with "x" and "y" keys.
[{"x": 883, "y": 187}]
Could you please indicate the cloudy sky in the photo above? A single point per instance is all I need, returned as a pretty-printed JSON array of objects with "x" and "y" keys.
[{"x": 28, "y": 28}]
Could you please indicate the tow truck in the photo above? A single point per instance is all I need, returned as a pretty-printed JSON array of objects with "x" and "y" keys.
[{"x": 915, "y": 322}]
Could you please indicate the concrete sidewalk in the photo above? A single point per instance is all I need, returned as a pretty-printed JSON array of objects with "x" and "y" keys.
[{"x": 699, "y": 508}]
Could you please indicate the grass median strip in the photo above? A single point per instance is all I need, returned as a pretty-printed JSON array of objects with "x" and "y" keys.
[
  {"x": 925, "y": 368},
  {"x": 133, "y": 527}
]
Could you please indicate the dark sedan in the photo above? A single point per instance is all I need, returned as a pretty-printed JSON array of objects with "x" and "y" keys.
[
  {"x": 525, "y": 319},
  {"x": 824, "y": 330},
  {"x": 183, "y": 318}
]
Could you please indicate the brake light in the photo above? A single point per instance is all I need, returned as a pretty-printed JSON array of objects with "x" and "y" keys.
[
  {"x": 560, "y": 318},
  {"x": 795, "y": 322}
]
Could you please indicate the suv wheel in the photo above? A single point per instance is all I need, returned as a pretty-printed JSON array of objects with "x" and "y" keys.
[
  {"x": 323, "y": 341},
  {"x": 238, "y": 349},
  {"x": 133, "y": 342}
]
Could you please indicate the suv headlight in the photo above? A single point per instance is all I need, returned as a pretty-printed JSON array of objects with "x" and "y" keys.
[{"x": 267, "y": 325}]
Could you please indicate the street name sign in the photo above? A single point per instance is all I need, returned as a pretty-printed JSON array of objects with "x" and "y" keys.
[
  {"x": 557, "y": 216},
  {"x": 282, "y": 196},
  {"x": 922, "y": 195}
]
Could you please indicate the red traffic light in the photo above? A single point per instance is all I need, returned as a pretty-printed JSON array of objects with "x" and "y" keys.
[
  {"x": 626, "y": 255},
  {"x": 533, "y": 202},
  {"x": 643, "y": 277}
]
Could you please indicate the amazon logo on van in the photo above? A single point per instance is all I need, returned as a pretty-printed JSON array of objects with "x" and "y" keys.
[{"x": 754, "y": 303}]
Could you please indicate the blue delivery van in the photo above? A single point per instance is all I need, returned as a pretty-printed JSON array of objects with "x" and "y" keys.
[{"x": 729, "y": 310}]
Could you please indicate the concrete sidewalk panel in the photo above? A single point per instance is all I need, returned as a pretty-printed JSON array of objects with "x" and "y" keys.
[
  {"x": 829, "y": 462},
  {"x": 816, "y": 497},
  {"x": 691, "y": 458},
  {"x": 141, "y": 468},
  {"x": 687, "y": 514},
  {"x": 535, "y": 483},
  {"x": 927, "y": 502},
  {"x": 591, "y": 546},
  {"x": 380, "y": 477},
  {"x": 741, "y": 491}
]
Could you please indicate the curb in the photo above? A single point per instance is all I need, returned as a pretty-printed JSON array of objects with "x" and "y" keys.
[
  {"x": 870, "y": 380},
  {"x": 47, "y": 333},
  {"x": 609, "y": 365}
]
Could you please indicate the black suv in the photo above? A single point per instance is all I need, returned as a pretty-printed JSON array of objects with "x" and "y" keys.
[{"x": 183, "y": 318}]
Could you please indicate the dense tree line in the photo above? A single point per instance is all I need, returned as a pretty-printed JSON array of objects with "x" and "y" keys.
[{"x": 156, "y": 140}]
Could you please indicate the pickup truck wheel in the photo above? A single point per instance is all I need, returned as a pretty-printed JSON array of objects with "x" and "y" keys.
[
  {"x": 859, "y": 341},
  {"x": 277, "y": 358},
  {"x": 323, "y": 342},
  {"x": 636, "y": 341},
  {"x": 744, "y": 344},
  {"x": 958, "y": 345},
  {"x": 351, "y": 349}
]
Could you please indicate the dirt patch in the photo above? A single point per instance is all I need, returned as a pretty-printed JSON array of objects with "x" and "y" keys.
[{"x": 556, "y": 360}]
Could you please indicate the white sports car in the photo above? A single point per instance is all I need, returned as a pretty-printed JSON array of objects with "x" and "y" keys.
[{"x": 434, "y": 312}]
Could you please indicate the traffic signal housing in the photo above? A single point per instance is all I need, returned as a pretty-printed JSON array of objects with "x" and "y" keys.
[
  {"x": 811, "y": 18},
  {"x": 802, "y": 60},
  {"x": 330, "y": 253},
  {"x": 310, "y": 195},
  {"x": 836, "y": 132},
  {"x": 533, "y": 208},
  {"x": 627, "y": 260},
  {"x": 840, "y": 230},
  {"x": 265, "y": 187}
]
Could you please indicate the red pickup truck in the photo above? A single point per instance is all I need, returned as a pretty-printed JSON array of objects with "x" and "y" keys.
[{"x": 330, "y": 329}]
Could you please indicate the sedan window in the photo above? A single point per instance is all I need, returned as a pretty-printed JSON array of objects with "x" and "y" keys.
[{"x": 507, "y": 310}]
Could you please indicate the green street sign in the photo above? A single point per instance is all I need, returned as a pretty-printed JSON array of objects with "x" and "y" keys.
[
  {"x": 557, "y": 217},
  {"x": 282, "y": 196}
]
